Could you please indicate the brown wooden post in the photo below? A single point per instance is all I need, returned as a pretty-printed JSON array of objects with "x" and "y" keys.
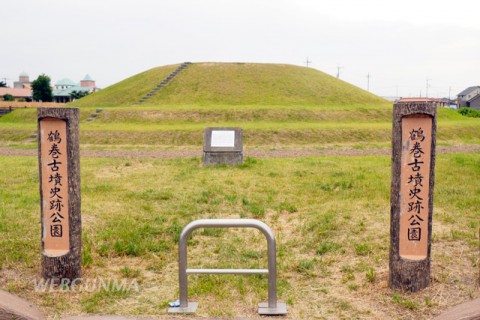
[
  {"x": 59, "y": 167},
  {"x": 413, "y": 164}
]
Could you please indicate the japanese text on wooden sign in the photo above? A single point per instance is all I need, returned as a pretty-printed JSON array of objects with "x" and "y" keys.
[
  {"x": 55, "y": 233},
  {"x": 415, "y": 185}
]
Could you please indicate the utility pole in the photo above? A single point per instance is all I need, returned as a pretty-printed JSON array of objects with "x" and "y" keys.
[
  {"x": 308, "y": 62},
  {"x": 368, "y": 82},
  {"x": 428, "y": 85},
  {"x": 338, "y": 71},
  {"x": 5, "y": 80}
]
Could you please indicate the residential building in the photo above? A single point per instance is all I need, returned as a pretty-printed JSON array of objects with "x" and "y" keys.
[
  {"x": 63, "y": 89},
  {"x": 19, "y": 94},
  {"x": 469, "y": 98},
  {"x": 474, "y": 103},
  {"x": 23, "y": 82}
]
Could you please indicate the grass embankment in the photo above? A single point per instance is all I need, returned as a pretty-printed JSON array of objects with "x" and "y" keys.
[
  {"x": 264, "y": 126},
  {"x": 330, "y": 216}
]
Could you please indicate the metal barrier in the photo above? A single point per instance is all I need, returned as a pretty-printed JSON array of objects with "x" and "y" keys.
[{"x": 272, "y": 307}]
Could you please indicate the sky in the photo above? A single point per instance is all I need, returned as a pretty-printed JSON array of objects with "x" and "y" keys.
[{"x": 405, "y": 48}]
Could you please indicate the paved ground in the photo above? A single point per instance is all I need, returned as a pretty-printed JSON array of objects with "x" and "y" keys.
[
  {"x": 13, "y": 307},
  {"x": 294, "y": 153}
]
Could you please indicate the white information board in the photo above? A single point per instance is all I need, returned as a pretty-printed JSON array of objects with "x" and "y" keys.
[{"x": 223, "y": 138}]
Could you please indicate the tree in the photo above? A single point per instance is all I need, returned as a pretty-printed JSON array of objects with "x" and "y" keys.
[
  {"x": 8, "y": 97},
  {"x": 3, "y": 84},
  {"x": 78, "y": 94},
  {"x": 41, "y": 89}
]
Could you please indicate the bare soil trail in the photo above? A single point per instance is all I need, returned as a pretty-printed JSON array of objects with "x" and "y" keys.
[{"x": 291, "y": 153}]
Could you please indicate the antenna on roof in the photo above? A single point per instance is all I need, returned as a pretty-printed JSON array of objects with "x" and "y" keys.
[{"x": 428, "y": 85}]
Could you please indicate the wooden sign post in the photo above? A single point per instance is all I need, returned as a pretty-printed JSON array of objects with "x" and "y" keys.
[
  {"x": 59, "y": 168},
  {"x": 413, "y": 164}
]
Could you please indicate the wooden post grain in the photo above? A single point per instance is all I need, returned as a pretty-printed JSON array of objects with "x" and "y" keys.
[
  {"x": 59, "y": 168},
  {"x": 413, "y": 164}
]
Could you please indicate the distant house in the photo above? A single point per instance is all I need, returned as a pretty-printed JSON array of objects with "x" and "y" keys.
[
  {"x": 21, "y": 90},
  {"x": 64, "y": 88},
  {"x": 23, "y": 82},
  {"x": 17, "y": 93},
  {"x": 475, "y": 102},
  {"x": 469, "y": 98}
]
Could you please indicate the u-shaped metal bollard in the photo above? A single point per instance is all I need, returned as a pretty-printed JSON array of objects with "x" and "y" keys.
[{"x": 272, "y": 307}]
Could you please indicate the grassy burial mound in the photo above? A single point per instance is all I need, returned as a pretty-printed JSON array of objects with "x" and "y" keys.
[
  {"x": 278, "y": 106},
  {"x": 233, "y": 84}
]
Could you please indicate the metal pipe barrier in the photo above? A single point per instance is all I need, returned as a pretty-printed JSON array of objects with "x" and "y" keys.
[{"x": 272, "y": 307}]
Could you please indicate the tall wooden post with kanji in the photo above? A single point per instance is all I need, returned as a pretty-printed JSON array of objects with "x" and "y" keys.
[
  {"x": 59, "y": 168},
  {"x": 413, "y": 164}
]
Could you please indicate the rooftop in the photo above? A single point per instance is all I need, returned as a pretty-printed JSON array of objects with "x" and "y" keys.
[
  {"x": 65, "y": 82},
  {"x": 88, "y": 78},
  {"x": 66, "y": 92},
  {"x": 16, "y": 92},
  {"x": 468, "y": 90}
]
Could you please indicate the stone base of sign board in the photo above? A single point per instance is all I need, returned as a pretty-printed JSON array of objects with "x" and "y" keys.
[
  {"x": 219, "y": 158},
  {"x": 223, "y": 146},
  {"x": 13, "y": 307}
]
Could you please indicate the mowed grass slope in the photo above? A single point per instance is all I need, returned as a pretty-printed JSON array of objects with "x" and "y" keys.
[
  {"x": 233, "y": 84},
  {"x": 128, "y": 91},
  {"x": 264, "y": 126}
]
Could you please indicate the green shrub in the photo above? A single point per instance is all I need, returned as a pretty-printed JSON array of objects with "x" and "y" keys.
[
  {"x": 8, "y": 97},
  {"x": 468, "y": 112}
]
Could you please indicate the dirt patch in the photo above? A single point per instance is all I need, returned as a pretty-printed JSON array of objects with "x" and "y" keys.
[{"x": 292, "y": 153}]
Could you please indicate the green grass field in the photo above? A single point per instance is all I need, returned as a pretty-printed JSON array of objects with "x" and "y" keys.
[
  {"x": 264, "y": 127},
  {"x": 330, "y": 216}
]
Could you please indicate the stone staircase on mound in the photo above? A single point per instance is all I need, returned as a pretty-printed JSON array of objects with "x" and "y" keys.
[{"x": 164, "y": 82}]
